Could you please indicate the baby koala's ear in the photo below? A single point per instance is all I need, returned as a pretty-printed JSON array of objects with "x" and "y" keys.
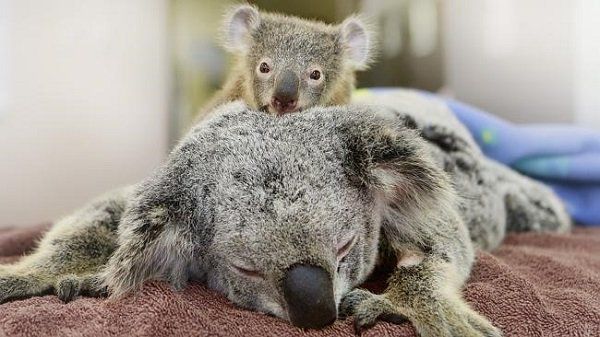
[
  {"x": 358, "y": 39},
  {"x": 238, "y": 24}
]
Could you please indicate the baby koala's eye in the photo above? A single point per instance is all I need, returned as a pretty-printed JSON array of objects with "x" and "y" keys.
[
  {"x": 315, "y": 75},
  {"x": 264, "y": 68}
]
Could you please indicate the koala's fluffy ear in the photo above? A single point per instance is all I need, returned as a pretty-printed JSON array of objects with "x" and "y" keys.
[
  {"x": 358, "y": 39},
  {"x": 154, "y": 242},
  {"x": 146, "y": 252},
  {"x": 238, "y": 24},
  {"x": 392, "y": 161}
]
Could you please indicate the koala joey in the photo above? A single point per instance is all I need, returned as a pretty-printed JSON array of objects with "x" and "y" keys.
[
  {"x": 284, "y": 215},
  {"x": 284, "y": 64}
]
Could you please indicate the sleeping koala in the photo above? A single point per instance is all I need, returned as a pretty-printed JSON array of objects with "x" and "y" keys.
[{"x": 284, "y": 215}]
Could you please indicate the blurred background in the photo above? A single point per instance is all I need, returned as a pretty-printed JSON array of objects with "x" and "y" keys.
[{"x": 93, "y": 93}]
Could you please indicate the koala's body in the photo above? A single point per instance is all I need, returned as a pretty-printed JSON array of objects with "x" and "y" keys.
[
  {"x": 286, "y": 215},
  {"x": 285, "y": 64}
]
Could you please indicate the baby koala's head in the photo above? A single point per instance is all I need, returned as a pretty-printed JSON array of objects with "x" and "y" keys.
[{"x": 291, "y": 64}]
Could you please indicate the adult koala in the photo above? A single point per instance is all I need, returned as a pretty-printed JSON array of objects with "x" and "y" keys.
[{"x": 286, "y": 215}]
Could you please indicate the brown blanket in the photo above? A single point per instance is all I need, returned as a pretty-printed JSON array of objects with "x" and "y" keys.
[{"x": 533, "y": 285}]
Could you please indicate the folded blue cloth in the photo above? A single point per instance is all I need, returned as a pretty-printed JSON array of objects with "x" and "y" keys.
[{"x": 565, "y": 157}]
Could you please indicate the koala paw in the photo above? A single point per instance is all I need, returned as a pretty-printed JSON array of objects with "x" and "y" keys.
[
  {"x": 68, "y": 288},
  {"x": 434, "y": 319},
  {"x": 368, "y": 308}
]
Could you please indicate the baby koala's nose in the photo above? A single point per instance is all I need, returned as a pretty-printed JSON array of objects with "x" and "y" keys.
[
  {"x": 285, "y": 95},
  {"x": 308, "y": 292},
  {"x": 284, "y": 105}
]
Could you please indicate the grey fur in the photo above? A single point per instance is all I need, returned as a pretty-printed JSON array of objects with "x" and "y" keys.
[
  {"x": 298, "y": 45},
  {"x": 511, "y": 201},
  {"x": 249, "y": 191}
]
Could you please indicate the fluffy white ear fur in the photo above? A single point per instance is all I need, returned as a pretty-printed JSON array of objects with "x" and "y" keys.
[
  {"x": 238, "y": 23},
  {"x": 358, "y": 39}
]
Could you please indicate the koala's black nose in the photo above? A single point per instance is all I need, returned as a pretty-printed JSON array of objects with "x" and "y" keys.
[
  {"x": 308, "y": 292},
  {"x": 285, "y": 95}
]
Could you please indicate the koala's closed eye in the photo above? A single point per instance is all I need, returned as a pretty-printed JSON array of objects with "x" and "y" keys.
[
  {"x": 246, "y": 270},
  {"x": 345, "y": 245}
]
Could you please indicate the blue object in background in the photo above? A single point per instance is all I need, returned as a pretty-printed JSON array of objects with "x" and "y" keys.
[{"x": 565, "y": 157}]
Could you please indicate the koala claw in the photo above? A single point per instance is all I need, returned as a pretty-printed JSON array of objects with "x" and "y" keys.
[
  {"x": 72, "y": 286},
  {"x": 351, "y": 300},
  {"x": 68, "y": 288},
  {"x": 368, "y": 308}
]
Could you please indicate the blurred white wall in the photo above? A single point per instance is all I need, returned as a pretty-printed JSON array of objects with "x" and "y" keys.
[
  {"x": 587, "y": 62},
  {"x": 83, "y": 101},
  {"x": 526, "y": 60}
]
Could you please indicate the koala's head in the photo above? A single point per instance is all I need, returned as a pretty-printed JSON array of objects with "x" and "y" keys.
[
  {"x": 290, "y": 207},
  {"x": 280, "y": 214},
  {"x": 291, "y": 64}
]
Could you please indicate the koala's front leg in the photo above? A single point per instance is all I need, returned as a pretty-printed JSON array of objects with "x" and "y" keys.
[
  {"x": 422, "y": 226},
  {"x": 14, "y": 286},
  {"x": 427, "y": 294},
  {"x": 425, "y": 287}
]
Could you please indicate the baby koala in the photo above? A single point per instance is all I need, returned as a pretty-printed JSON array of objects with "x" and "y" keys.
[
  {"x": 287, "y": 215},
  {"x": 286, "y": 64}
]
